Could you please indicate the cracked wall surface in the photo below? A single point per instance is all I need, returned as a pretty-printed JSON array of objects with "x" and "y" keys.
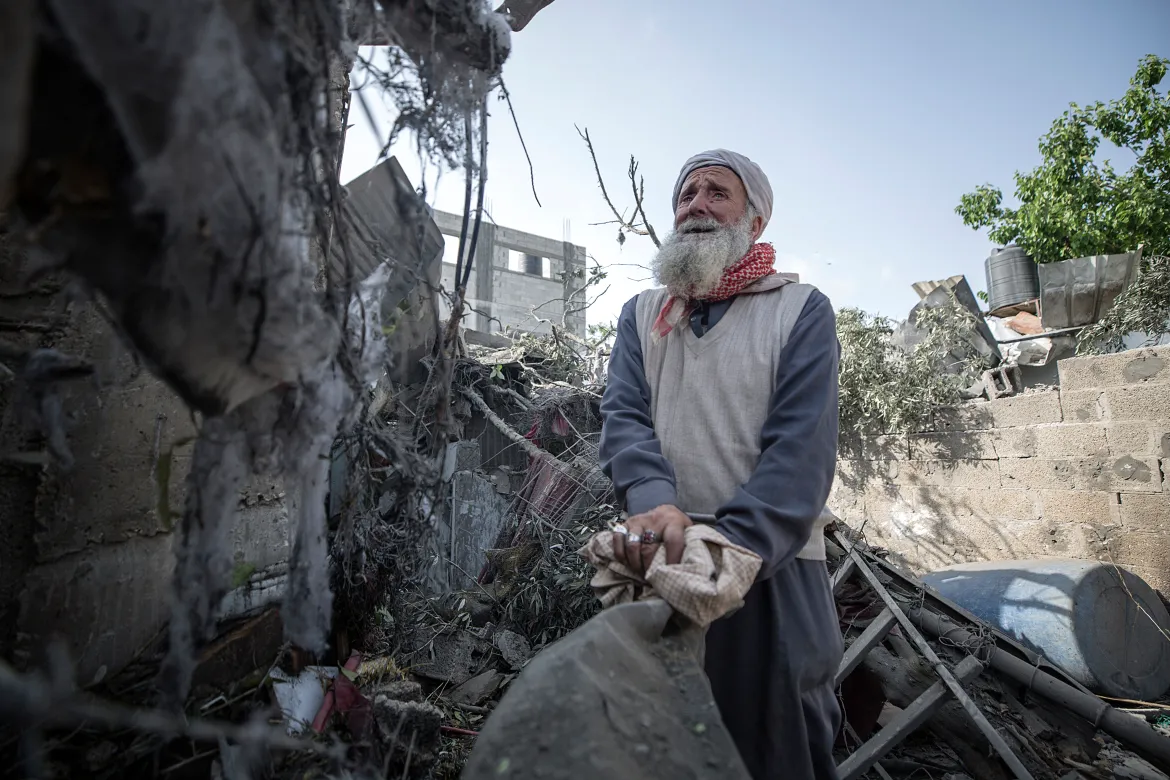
[
  {"x": 88, "y": 552},
  {"x": 1078, "y": 471}
]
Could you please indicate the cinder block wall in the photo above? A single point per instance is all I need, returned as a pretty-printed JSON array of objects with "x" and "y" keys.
[{"x": 1077, "y": 471}]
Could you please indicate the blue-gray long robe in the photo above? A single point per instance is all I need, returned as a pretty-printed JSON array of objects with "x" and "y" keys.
[{"x": 771, "y": 664}]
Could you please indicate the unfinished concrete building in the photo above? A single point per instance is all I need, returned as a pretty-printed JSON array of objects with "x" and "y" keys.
[{"x": 519, "y": 281}]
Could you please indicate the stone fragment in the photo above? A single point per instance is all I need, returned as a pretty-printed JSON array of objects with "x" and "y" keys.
[
  {"x": 514, "y": 648},
  {"x": 477, "y": 688}
]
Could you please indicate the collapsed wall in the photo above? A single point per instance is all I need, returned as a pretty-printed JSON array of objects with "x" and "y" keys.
[{"x": 1077, "y": 471}]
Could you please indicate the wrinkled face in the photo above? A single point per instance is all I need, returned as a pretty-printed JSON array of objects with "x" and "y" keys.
[
  {"x": 713, "y": 229},
  {"x": 711, "y": 193}
]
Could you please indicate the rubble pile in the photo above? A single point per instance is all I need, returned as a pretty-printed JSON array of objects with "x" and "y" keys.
[{"x": 1039, "y": 715}]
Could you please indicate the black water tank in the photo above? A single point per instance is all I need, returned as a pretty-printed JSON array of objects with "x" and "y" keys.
[
  {"x": 1011, "y": 278},
  {"x": 534, "y": 264}
]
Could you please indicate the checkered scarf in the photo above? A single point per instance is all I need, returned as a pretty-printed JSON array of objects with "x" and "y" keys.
[{"x": 759, "y": 262}]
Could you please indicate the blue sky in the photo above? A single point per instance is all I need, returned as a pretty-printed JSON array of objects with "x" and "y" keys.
[{"x": 870, "y": 119}]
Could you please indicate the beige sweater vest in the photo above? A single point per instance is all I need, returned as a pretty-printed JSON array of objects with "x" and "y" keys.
[{"x": 709, "y": 396}]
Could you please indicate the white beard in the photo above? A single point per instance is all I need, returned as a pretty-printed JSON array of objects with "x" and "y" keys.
[{"x": 690, "y": 264}]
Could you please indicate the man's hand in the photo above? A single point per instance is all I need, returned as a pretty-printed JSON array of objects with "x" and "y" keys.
[{"x": 667, "y": 524}]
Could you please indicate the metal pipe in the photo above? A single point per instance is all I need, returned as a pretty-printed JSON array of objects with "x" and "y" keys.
[
  {"x": 1060, "y": 332},
  {"x": 1132, "y": 731},
  {"x": 942, "y": 670}
]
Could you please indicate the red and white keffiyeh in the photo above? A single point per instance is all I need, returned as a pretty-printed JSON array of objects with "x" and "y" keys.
[{"x": 760, "y": 261}]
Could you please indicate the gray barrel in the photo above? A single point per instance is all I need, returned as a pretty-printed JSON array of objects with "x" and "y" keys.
[
  {"x": 1011, "y": 278},
  {"x": 1102, "y": 624}
]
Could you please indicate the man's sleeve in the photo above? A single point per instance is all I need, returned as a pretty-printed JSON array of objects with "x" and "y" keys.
[
  {"x": 773, "y": 513},
  {"x": 630, "y": 453}
]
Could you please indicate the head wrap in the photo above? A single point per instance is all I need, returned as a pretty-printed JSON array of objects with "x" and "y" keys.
[{"x": 759, "y": 191}]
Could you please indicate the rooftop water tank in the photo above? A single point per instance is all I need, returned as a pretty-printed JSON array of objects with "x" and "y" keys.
[
  {"x": 1012, "y": 278},
  {"x": 1103, "y": 625}
]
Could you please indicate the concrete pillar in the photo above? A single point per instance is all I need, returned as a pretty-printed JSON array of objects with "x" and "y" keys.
[{"x": 481, "y": 285}]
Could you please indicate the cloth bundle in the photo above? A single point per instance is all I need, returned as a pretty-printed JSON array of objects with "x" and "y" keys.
[{"x": 709, "y": 582}]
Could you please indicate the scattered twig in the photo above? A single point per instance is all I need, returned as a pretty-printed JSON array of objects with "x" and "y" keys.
[
  {"x": 1143, "y": 704},
  {"x": 472, "y": 708},
  {"x": 459, "y": 731},
  {"x": 638, "y": 184}
]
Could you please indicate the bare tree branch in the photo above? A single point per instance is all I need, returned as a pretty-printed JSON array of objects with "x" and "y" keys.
[
  {"x": 642, "y": 228},
  {"x": 638, "y": 184}
]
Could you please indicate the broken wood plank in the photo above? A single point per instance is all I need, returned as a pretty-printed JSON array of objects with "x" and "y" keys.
[
  {"x": 842, "y": 574},
  {"x": 877, "y": 766},
  {"x": 905, "y": 723},
  {"x": 970, "y": 707},
  {"x": 875, "y": 632}
]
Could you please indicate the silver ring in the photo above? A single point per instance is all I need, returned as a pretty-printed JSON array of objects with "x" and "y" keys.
[
  {"x": 649, "y": 537},
  {"x": 632, "y": 538},
  {"x": 621, "y": 529}
]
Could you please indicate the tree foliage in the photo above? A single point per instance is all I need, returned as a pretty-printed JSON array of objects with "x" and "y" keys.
[
  {"x": 1071, "y": 205},
  {"x": 887, "y": 389}
]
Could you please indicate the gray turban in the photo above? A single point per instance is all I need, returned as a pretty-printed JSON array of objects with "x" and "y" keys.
[{"x": 759, "y": 191}]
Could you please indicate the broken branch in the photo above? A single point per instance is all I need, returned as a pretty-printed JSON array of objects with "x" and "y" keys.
[
  {"x": 516, "y": 437},
  {"x": 628, "y": 226}
]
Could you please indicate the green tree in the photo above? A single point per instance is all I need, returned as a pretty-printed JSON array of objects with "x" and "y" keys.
[
  {"x": 885, "y": 388},
  {"x": 1073, "y": 206}
]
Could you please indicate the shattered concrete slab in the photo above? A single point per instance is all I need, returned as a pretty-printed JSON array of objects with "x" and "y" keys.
[
  {"x": 478, "y": 513},
  {"x": 452, "y": 658}
]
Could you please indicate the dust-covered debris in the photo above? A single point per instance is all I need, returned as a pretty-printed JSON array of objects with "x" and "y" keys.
[
  {"x": 202, "y": 223},
  {"x": 1046, "y": 735}
]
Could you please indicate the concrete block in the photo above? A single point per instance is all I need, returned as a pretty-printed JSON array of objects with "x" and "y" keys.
[
  {"x": 1070, "y": 439},
  {"x": 845, "y": 499},
  {"x": 883, "y": 502},
  {"x": 1143, "y": 550},
  {"x": 978, "y": 503},
  {"x": 105, "y": 603},
  {"x": 1145, "y": 512},
  {"x": 1096, "y": 508},
  {"x": 1139, "y": 437},
  {"x": 1045, "y": 538},
  {"x": 1125, "y": 368},
  {"x": 1027, "y": 409},
  {"x": 953, "y": 445},
  {"x": 1126, "y": 474},
  {"x": 1052, "y": 440},
  {"x": 1137, "y": 402},
  {"x": 529, "y": 243},
  {"x": 879, "y": 447},
  {"x": 971, "y": 416},
  {"x": 950, "y": 473},
  {"x": 1015, "y": 442},
  {"x": 919, "y": 542},
  {"x": 1083, "y": 405},
  {"x": 988, "y": 524},
  {"x": 859, "y": 474}
]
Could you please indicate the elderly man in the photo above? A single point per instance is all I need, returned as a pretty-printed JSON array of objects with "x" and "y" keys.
[{"x": 721, "y": 408}]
